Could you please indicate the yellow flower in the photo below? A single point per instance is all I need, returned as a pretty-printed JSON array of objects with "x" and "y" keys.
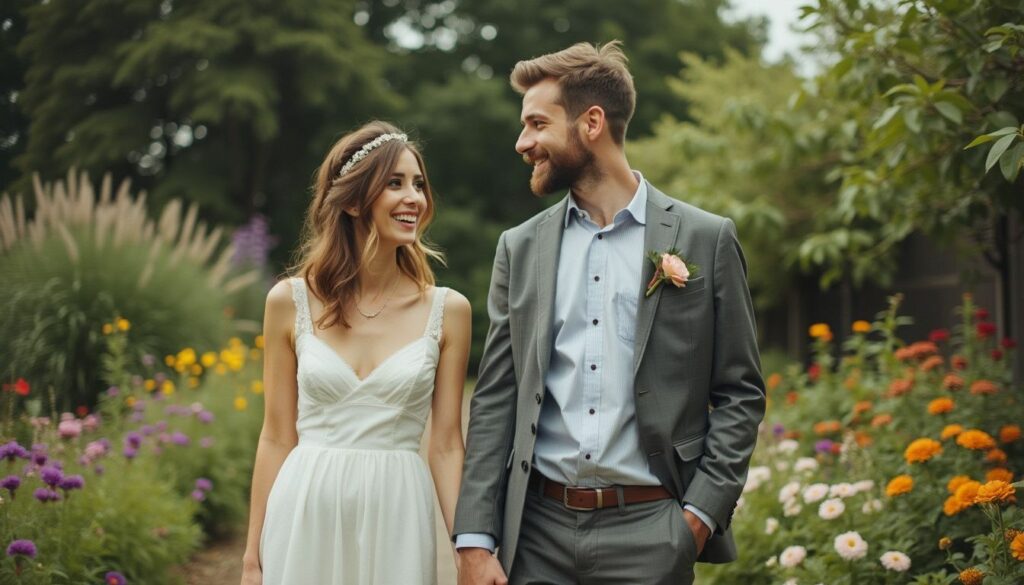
[
  {"x": 940, "y": 406},
  {"x": 945, "y": 543},
  {"x": 235, "y": 342},
  {"x": 220, "y": 369},
  {"x": 952, "y": 506},
  {"x": 861, "y": 326},
  {"x": 819, "y": 330},
  {"x": 1017, "y": 547},
  {"x": 123, "y": 325},
  {"x": 922, "y": 450},
  {"x": 186, "y": 356},
  {"x": 258, "y": 342},
  {"x": 108, "y": 329},
  {"x": 130, "y": 401},
  {"x": 901, "y": 484},
  {"x": 241, "y": 403},
  {"x": 193, "y": 382},
  {"x": 951, "y": 431},
  {"x": 167, "y": 387},
  {"x": 996, "y": 492},
  {"x": 254, "y": 354},
  {"x": 169, "y": 360},
  {"x": 195, "y": 369},
  {"x": 967, "y": 492},
  {"x": 971, "y": 576},
  {"x": 149, "y": 385},
  {"x": 999, "y": 473},
  {"x": 1009, "y": 433},
  {"x": 957, "y": 482},
  {"x": 209, "y": 358},
  {"x": 257, "y": 387},
  {"x": 975, "y": 439}
]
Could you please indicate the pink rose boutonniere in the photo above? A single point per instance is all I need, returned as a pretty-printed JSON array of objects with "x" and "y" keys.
[{"x": 669, "y": 267}]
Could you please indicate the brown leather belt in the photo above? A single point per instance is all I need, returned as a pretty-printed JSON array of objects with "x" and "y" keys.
[{"x": 589, "y": 499}]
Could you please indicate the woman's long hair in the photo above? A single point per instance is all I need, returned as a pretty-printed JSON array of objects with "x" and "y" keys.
[{"x": 332, "y": 250}]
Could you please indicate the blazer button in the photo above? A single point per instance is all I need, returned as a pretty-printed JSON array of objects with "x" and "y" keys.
[
  {"x": 533, "y": 428},
  {"x": 537, "y": 398},
  {"x": 526, "y": 466}
]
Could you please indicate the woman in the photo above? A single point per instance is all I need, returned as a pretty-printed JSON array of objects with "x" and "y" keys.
[{"x": 360, "y": 347}]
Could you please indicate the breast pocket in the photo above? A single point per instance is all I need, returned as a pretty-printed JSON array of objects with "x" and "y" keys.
[{"x": 625, "y": 306}]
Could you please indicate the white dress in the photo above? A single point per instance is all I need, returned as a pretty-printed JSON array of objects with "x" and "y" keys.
[{"x": 353, "y": 503}]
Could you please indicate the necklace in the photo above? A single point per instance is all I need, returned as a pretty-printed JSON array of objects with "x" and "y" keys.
[{"x": 386, "y": 301}]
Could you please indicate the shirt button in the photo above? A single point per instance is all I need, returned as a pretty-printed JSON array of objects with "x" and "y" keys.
[
  {"x": 593, "y": 366},
  {"x": 597, "y": 279},
  {"x": 537, "y": 398},
  {"x": 600, "y": 236},
  {"x": 587, "y": 456},
  {"x": 595, "y": 321},
  {"x": 592, "y": 411}
]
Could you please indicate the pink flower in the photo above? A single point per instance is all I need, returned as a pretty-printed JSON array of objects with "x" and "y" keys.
[
  {"x": 69, "y": 429},
  {"x": 674, "y": 269}
]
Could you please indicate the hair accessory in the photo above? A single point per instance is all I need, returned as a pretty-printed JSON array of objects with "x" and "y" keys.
[{"x": 367, "y": 148}]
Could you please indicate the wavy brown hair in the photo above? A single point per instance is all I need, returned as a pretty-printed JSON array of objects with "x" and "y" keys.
[{"x": 336, "y": 245}]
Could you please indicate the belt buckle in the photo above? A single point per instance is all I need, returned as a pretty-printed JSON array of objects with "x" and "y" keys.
[{"x": 565, "y": 501}]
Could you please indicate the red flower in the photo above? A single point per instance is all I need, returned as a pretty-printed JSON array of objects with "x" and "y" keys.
[
  {"x": 939, "y": 335},
  {"x": 985, "y": 329},
  {"x": 814, "y": 372},
  {"x": 22, "y": 387},
  {"x": 981, "y": 314},
  {"x": 82, "y": 410},
  {"x": 1008, "y": 343},
  {"x": 997, "y": 354}
]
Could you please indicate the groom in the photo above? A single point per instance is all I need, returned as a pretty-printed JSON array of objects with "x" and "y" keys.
[{"x": 610, "y": 430}]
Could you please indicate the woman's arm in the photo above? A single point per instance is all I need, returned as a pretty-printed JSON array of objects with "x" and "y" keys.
[
  {"x": 446, "y": 450},
  {"x": 278, "y": 436}
]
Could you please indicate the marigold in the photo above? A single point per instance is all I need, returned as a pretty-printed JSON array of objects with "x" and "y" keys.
[
  {"x": 971, "y": 576},
  {"x": 958, "y": 362},
  {"x": 975, "y": 439},
  {"x": 983, "y": 387},
  {"x": 108, "y": 328},
  {"x": 956, "y": 482},
  {"x": 827, "y": 426},
  {"x": 881, "y": 420},
  {"x": 1009, "y": 433},
  {"x": 967, "y": 493},
  {"x": 922, "y": 450},
  {"x": 1000, "y": 473},
  {"x": 901, "y": 484},
  {"x": 945, "y": 543},
  {"x": 940, "y": 406},
  {"x": 862, "y": 407},
  {"x": 819, "y": 330},
  {"x": 241, "y": 403},
  {"x": 861, "y": 327},
  {"x": 258, "y": 341},
  {"x": 931, "y": 363},
  {"x": 1017, "y": 547},
  {"x": 862, "y": 439},
  {"x": 996, "y": 455},
  {"x": 952, "y": 382},
  {"x": 773, "y": 381},
  {"x": 952, "y": 506},
  {"x": 899, "y": 387},
  {"x": 996, "y": 492},
  {"x": 951, "y": 431}
]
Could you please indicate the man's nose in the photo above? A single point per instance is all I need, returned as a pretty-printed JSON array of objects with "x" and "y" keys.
[{"x": 525, "y": 142}]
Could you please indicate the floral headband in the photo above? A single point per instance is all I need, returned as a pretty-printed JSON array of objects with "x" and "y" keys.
[{"x": 367, "y": 148}]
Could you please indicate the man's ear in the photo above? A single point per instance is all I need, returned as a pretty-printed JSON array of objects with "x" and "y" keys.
[{"x": 594, "y": 122}]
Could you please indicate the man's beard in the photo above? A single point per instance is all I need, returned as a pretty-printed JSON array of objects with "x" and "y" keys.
[{"x": 565, "y": 169}]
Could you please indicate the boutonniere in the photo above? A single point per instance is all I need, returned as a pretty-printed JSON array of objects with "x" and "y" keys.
[{"x": 669, "y": 266}]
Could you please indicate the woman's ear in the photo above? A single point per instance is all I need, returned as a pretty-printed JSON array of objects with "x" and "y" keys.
[{"x": 351, "y": 211}]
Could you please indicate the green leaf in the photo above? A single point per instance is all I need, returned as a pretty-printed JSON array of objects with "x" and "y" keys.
[
  {"x": 903, "y": 88},
  {"x": 886, "y": 117},
  {"x": 950, "y": 111},
  {"x": 1011, "y": 161},
  {"x": 980, "y": 140},
  {"x": 996, "y": 87},
  {"x": 912, "y": 117},
  {"x": 997, "y": 150}
]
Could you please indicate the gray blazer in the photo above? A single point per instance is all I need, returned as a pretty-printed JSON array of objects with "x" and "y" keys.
[{"x": 698, "y": 388}]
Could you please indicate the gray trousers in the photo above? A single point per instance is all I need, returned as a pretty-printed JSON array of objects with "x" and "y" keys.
[{"x": 636, "y": 544}]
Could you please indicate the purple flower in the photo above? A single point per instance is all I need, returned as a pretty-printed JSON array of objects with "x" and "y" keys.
[
  {"x": 147, "y": 430},
  {"x": 824, "y": 446},
  {"x": 133, "y": 439},
  {"x": 11, "y": 483},
  {"x": 778, "y": 430},
  {"x": 45, "y": 495},
  {"x": 206, "y": 442},
  {"x": 137, "y": 417},
  {"x": 113, "y": 391},
  {"x": 204, "y": 484},
  {"x": 140, "y": 406},
  {"x": 198, "y": 495},
  {"x": 205, "y": 417},
  {"x": 161, "y": 425},
  {"x": 253, "y": 243},
  {"x": 12, "y": 451},
  {"x": 39, "y": 458},
  {"x": 51, "y": 476},
  {"x": 114, "y": 578},
  {"x": 179, "y": 438},
  {"x": 25, "y": 548},
  {"x": 130, "y": 452},
  {"x": 72, "y": 482},
  {"x": 99, "y": 469}
]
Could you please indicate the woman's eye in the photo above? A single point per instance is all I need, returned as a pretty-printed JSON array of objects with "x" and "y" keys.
[
  {"x": 420, "y": 186},
  {"x": 397, "y": 183}
]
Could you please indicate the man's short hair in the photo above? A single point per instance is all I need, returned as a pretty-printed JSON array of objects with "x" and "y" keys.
[{"x": 588, "y": 75}]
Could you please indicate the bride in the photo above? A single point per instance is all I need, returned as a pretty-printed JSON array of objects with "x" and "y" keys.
[{"x": 360, "y": 347}]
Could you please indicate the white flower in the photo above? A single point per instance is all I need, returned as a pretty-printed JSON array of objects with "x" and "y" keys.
[
  {"x": 815, "y": 492},
  {"x": 842, "y": 490},
  {"x": 740, "y": 503},
  {"x": 792, "y": 508},
  {"x": 851, "y": 546},
  {"x": 831, "y": 509},
  {"x": 864, "y": 485},
  {"x": 872, "y": 506},
  {"x": 805, "y": 464},
  {"x": 895, "y": 561},
  {"x": 771, "y": 562},
  {"x": 771, "y": 525},
  {"x": 788, "y": 446},
  {"x": 789, "y": 491},
  {"x": 790, "y": 581},
  {"x": 781, "y": 465},
  {"x": 756, "y": 476},
  {"x": 792, "y": 556}
]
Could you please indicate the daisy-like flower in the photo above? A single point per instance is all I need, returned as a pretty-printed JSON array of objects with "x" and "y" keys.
[
  {"x": 895, "y": 561},
  {"x": 842, "y": 490},
  {"x": 771, "y": 525},
  {"x": 771, "y": 562},
  {"x": 851, "y": 546},
  {"x": 940, "y": 406},
  {"x": 791, "y": 508},
  {"x": 872, "y": 506},
  {"x": 789, "y": 491},
  {"x": 788, "y": 446},
  {"x": 792, "y": 556},
  {"x": 864, "y": 485},
  {"x": 815, "y": 492},
  {"x": 831, "y": 509},
  {"x": 805, "y": 464}
]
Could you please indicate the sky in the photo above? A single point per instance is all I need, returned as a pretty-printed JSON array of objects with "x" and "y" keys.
[{"x": 783, "y": 16}]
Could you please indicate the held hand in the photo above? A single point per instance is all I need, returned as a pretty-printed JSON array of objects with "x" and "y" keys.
[
  {"x": 477, "y": 566},
  {"x": 252, "y": 576},
  {"x": 701, "y": 532}
]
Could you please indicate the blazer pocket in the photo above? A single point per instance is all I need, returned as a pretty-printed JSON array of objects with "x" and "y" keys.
[
  {"x": 692, "y": 286},
  {"x": 689, "y": 452}
]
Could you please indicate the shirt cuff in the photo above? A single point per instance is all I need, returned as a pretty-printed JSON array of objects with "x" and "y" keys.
[
  {"x": 474, "y": 540},
  {"x": 703, "y": 517}
]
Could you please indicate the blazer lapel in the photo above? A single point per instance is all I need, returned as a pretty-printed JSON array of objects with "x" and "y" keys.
[
  {"x": 660, "y": 233},
  {"x": 549, "y": 243}
]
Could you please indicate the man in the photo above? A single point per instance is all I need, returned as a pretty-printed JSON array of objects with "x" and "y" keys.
[{"x": 619, "y": 394}]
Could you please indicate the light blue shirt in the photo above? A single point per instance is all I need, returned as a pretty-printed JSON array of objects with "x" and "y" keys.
[{"x": 587, "y": 434}]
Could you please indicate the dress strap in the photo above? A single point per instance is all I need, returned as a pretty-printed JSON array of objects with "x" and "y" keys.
[
  {"x": 303, "y": 321},
  {"x": 436, "y": 319}
]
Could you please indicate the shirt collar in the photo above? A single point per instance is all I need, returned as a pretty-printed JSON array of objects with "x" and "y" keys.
[{"x": 636, "y": 208}]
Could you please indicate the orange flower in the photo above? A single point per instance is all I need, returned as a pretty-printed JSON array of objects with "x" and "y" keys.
[
  {"x": 967, "y": 493},
  {"x": 861, "y": 327},
  {"x": 951, "y": 431},
  {"x": 996, "y": 492},
  {"x": 862, "y": 407},
  {"x": 773, "y": 381},
  {"x": 881, "y": 420},
  {"x": 1000, "y": 473},
  {"x": 940, "y": 406},
  {"x": 971, "y": 576},
  {"x": 956, "y": 482},
  {"x": 863, "y": 439},
  {"x": 952, "y": 382},
  {"x": 792, "y": 397},
  {"x": 952, "y": 507},
  {"x": 945, "y": 543},
  {"x": 996, "y": 455},
  {"x": 1009, "y": 433},
  {"x": 983, "y": 387},
  {"x": 931, "y": 363},
  {"x": 958, "y": 362},
  {"x": 899, "y": 387},
  {"x": 1017, "y": 547},
  {"x": 922, "y": 450},
  {"x": 819, "y": 330},
  {"x": 901, "y": 484},
  {"x": 975, "y": 439},
  {"x": 827, "y": 426}
]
